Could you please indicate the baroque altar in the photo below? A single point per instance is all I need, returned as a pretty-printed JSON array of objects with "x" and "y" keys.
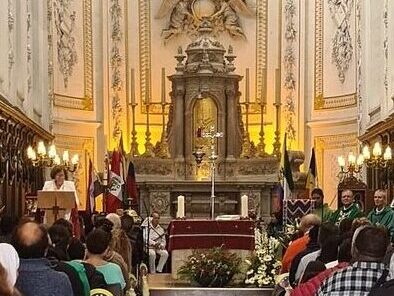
[{"x": 205, "y": 93}]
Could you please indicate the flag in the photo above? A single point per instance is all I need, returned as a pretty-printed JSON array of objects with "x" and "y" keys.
[
  {"x": 288, "y": 183},
  {"x": 114, "y": 197},
  {"x": 131, "y": 186},
  {"x": 90, "y": 204},
  {"x": 311, "y": 179}
]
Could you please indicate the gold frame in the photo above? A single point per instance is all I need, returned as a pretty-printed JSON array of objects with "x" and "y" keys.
[
  {"x": 320, "y": 101},
  {"x": 85, "y": 103}
]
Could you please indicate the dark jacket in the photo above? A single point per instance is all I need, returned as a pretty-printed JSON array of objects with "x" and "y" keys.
[{"x": 36, "y": 277}]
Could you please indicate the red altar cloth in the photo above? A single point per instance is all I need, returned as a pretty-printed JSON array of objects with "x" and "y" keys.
[{"x": 206, "y": 234}]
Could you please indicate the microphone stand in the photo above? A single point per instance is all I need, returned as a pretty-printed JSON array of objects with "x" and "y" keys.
[{"x": 148, "y": 230}]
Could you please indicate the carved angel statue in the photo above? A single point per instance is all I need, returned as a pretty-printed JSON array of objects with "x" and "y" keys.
[
  {"x": 181, "y": 19},
  {"x": 184, "y": 19},
  {"x": 227, "y": 15}
]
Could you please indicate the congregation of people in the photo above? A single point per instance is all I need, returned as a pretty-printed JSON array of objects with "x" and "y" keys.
[
  {"x": 36, "y": 260},
  {"x": 342, "y": 252}
]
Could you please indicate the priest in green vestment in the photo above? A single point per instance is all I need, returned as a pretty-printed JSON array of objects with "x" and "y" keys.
[
  {"x": 382, "y": 214},
  {"x": 322, "y": 210},
  {"x": 349, "y": 208}
]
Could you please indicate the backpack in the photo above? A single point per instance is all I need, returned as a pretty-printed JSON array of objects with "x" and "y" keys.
[{"x": 383, "y": 287}]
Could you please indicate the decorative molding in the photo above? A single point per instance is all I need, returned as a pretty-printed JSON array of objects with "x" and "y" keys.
[
  {"x": 320, "y": 101},
  {"x": 160, "y": 202},
  {"x": 342, "y": 48},
  {"x": 29, "y": 61},
  {"x": 386, "y": 47},
  {"x": 290, "y": 65},
  {"x": 145, "y": 51},
  {"x": 261, "y": 50},
  {"x": 67, "y": 56},
  {"x": 85, "y": 102},
  {"x": 51, "y": 85},
  {"x": 11, "y": 55},
  {"x": 359, "y": 67}
]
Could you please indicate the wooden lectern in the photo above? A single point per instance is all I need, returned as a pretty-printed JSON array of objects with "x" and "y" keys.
[{"x": 55, "y": 204}]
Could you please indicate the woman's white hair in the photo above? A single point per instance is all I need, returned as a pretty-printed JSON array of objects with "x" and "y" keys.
[{"x": 115, "y": 219}]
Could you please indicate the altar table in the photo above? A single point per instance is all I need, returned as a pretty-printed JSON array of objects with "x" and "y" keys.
[{"x": 187, "y": 235}]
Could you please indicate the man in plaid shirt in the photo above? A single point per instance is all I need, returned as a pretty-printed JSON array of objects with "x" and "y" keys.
[{"x": 369, "y": 247}]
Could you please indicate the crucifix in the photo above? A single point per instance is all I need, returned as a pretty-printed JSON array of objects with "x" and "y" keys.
[{"x": 212, "y": 135}]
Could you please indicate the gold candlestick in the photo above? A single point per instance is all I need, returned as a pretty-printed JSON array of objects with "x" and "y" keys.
[
  {"x": 263, "y": 103},
  {"x": 148, "y": 145}
]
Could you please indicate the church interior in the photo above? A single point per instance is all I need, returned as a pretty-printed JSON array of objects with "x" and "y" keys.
[{"x": 208, "y": 145}]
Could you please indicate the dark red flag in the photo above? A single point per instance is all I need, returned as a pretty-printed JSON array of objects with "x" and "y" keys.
[
  {"x": 114, "y": 197},
  {"x": 132, "y": 186}
]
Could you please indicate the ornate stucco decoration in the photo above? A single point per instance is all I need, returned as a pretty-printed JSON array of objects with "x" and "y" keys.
[
  {"x": 386, "y": 48},
  {"x": 29, "y": 63},
  {"x": 186, "y": 16},
  {"x": 65, "y": 24},
  {"x": 359, "y": 66},
  {"x": 342, "y": 48},
  {"x": 116, "y": 61},
  {"x": 289, "y": 59},
  {"x": 11, "y": 56}
]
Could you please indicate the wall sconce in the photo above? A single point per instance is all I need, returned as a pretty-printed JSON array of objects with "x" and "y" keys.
[
  {"x": 377, "y": 159},
  {"x": 48, "y": 157},
  {"x": 352, "y": 167}
]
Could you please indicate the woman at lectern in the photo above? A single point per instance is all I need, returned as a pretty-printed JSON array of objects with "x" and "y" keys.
[{"x": 59, "y": 183}]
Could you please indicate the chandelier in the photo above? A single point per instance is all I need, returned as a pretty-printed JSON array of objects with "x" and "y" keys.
[
  {"x": 376, "y": 159},
  {"x": 49, "y": 157}
]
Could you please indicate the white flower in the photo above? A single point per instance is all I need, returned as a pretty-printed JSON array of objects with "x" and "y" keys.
[
  {"x": 249, "y": 272},
  {"x": 248, "y": 262},
  {"x": 266, "y": 281}
]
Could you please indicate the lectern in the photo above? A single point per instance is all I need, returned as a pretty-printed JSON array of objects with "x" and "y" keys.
[{"x": 55, "y": 204}]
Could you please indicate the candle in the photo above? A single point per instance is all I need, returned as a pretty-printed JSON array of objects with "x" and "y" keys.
[
  {"x": 163, "y": 85},
  {"x": 247, "y": 98},
  {"x": 244, "y": 206},
  {"x": 181, "y": 207},
  {"x": 132, "y": 87},
  {"x": 277, "y": 87}
]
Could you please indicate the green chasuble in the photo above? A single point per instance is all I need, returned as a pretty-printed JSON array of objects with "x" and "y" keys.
[
  {"x": 383, "y": 217},
  {"x": 351, "y": 212},
  {"x": 324, "y": 212}
]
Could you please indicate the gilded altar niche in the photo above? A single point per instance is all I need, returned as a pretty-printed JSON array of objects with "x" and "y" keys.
[{"x": 205, "y": 94}]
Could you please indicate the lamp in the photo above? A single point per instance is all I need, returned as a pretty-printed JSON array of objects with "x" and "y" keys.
[
  {"x": 353, "y": 166},
  {"x": 49, "y": 157},
  {"x": 378, "y": 159}
]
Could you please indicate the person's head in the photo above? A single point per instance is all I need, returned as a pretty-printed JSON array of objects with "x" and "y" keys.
[
  {"x": 357, "y": 223},
  {"x": 345, "y": 250},
  {"x": 380, "y": 198},
  {"x": 345, "y": 226},
  {"x": 329, "y": 249},
  {"x": 30, "y": 240},
  {"x": 313, "y": 234},
  {"x": 9, "y": 259},
  {"x": 76, "y": 251},
  {"x": 5, "y": 287},
  {"x": 155, "y": 219},
  {"x": 115, "y": 219},
  {"x": 97, "y": 242},
  {"x": 318, "y": 196},
  {"x": 7, "y": 224},
  {"x": 347, "y": 197},
  {"x": 327, "y": 231},
  {"x": 60, "y": 236},
  {"x": 104, "y": 224},
  {"x": 127, "y": 222},
  {"x": 58, "y": 174},
  {"x": 308, "y": 221},
  {"x": 312, "y": 269},
  {"x": 370, "y": 244},
  {"x": 67, "y": 224}
]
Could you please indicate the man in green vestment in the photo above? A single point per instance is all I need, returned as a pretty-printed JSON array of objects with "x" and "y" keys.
[
  {"x": 322, "y": 210},
  {"x": 349, "y": 208},
  {"x": 382, "y": 214}
]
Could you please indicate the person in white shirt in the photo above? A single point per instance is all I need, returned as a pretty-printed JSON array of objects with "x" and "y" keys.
[
  {"x": 59, "y": 183},
  {"x": 154, "y": 237}
]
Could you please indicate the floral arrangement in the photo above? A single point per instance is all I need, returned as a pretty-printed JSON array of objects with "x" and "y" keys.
[
  {"x": 210, "y": 268},
  {"x": 263, "y": 265}
]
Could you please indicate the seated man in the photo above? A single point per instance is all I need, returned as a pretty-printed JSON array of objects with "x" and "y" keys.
[
  {"x": 382, "y": 214},
  {"x": 368, "y": 250},
  {"x": 154, "y": 237},
  {"x": 36, "y": 277},
  {"x": 322, "y": 210},
  {"x": 349, "y": 208}
]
